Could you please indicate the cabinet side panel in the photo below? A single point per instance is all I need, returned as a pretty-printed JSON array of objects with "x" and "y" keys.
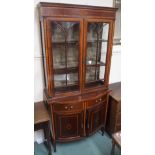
[
  {"x": 43, "y": 53},
  {"x": 47, "y": 55},
  {"x": 109, "y": 54}
]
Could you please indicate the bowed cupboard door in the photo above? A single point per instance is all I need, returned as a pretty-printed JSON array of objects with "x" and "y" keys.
[{"x": 63, "y": 54}]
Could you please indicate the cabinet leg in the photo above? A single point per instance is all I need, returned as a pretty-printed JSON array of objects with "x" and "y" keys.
[
  {"x": 102, "y": 129},
  {"x": 54, "y": 145},
  {"x": 48, "y": 138},
  {"x": 53, "y": 142},
  {"x": 113, "y": 148}
]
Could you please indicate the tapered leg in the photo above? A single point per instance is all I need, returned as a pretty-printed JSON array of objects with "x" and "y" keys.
[
  {"x": 47, "y": 130},
  {"x": 53, "y": 142},
  {"x": 54, "y": 145},
  {"x": 102, "y": 129}
]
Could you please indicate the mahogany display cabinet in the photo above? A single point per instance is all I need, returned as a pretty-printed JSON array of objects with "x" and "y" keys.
[{"x": 77, "y": 47}]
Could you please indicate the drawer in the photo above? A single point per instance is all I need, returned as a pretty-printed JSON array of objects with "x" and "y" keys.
[
  {"x": 96, "y": 101},
  {"x": 68, "y": 107}
]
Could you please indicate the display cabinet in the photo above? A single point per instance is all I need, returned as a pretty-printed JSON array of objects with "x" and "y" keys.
[{"x": 77, "y": 46}]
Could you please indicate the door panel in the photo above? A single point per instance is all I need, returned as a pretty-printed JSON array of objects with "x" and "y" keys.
[
  {"x": 65, "y": 44},
  {"x": 96, "y": 51},
  {"x": 95, "y": 118},
  {"x": 69, "y": 125}
]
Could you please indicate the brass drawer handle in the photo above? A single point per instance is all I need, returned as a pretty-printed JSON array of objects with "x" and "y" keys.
[{"x": 71, "y": 107}]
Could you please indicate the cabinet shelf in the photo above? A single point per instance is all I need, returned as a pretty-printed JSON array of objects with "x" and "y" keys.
[
  {"x": 63, "y": 42},
  {"x": 95, "y": 41},
  {"x": 77, "y": 41},
  {"x": 68, "y": 43},
  {"x": 67, "y": 88},
  {"x": 66, "y": 70},
  {"x": 68, "y": 85},
  {"x": 96, "y": 65},
  {"x": 61, "y": 84},
  {"x": 94, "y": 83}
]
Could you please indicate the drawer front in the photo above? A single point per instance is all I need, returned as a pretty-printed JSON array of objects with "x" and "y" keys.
[
  {"x": 68, "y": 107},
  {"x": 96, "y": 101},
  {"x": 96, "y": 117}
]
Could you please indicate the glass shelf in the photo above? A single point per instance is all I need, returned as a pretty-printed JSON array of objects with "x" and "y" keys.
[
  {"x": 90, "y": 63},
  {"x": 95, "y": 83},
  {"x": 95, "y": 40},
  {"x": 66, "y": 70},
  {"x": 63, "y": 42},
  {"x": 67, "y": 88},
  {"x": 63, "y": 84}
]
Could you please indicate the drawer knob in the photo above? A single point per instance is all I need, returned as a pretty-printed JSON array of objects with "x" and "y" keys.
[
  {"x": 66, "y": 107},
  {"x": 96, "y": 101},
  {"x": 100, "y": 99},
  {"x": 71, "y": 107}
]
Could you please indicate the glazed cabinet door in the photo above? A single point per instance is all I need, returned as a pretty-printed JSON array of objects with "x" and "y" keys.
[
  {"x": 64, "y": 46},
  {"x": 97, "y": 47},
  {"x": 96, "y": 117},
  {"x": 69, "y": 126}
]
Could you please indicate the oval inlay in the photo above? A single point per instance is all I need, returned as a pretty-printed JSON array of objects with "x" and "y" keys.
[{"x": 68, "y": 126}]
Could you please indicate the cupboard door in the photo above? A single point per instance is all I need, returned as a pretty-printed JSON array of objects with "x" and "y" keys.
[
  {"x": 95, "y": 118},
  {"x": 96, "y": 50},
  {"x": 69, "y": 125},
  {"x": 65, "y": 51}
]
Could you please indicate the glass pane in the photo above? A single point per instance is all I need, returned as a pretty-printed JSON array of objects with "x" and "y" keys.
[
  {"x": 72, "y": 56},
  {"x": 91, "y": 53},
  {"x": 100, "y": 73},
  {"x": 97, "y": 39},
  {"x": 72, "y": 79},
  {"x": 60, "y": 80},
  {"x": 65, "y": 49},
  {"x": 65, "y": 31},
  {"x": 90, "y": 74},
  {"x": 97, "y": 42},
  {"x": 58, "y": 56}
]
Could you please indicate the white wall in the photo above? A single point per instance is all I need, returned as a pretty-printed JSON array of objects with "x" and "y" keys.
[
  {"x": 38, "y": 71},
  {"x": 115, "y": 71}
]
